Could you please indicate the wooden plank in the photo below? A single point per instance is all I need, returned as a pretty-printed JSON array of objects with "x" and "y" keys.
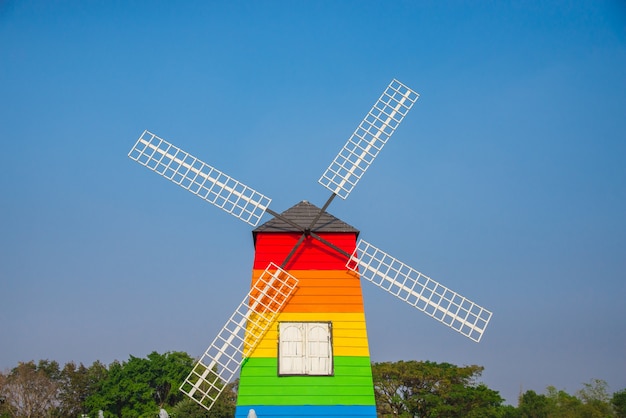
[
  {"x": 351, "y": 384},
  {"x": 312, "y": 254}
]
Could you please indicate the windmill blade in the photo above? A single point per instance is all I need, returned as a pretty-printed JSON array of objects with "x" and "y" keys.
[
  {"x": 242, "y": 332},
  {"x": 368, "y": 139},
  {"x": 419, "y": 291},
  {"x": 199, "y": 178}
]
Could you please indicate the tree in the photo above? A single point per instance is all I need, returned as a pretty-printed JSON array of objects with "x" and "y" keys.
[
  {"x": 596, "y": 390},
  {"x": 619, "y": 403},
  {"x": 3, "y": 405},
  {"x": 595, "y": 398},
  {"x": 28, "y": 390},
  {"x": 140, "y": 387},
  {"x": 390, "y": 389},
  {"x": 562, "y": 404},
  {"x": 73, "y": 390},
  {"x": 76, "y": 384},
  {"x": 425, "y": 389},
  {"x": 189, "y": 409},
  {"x": 532, "y": 405},
  {"x": 473, "y": 402},
  {"x": 226, "y": 403},
  {"x": 592, "y": 402},
  {"x": 224, "y": 407}
]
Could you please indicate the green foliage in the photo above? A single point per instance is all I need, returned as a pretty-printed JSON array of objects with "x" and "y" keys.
[
  {"x": 189, "y": 409},
  {"x": 561, "y": 403},
  {"x": 596, "y": 400},
  {"x": 223, "y": 408},
  {"x": 532, "y": 405},
  {"x": 594, "y": 391},
  {"x": 226, "y": 403},
  {"x": 137, "y": 388},
  {"x": 427, "y": 389},
  {"x": 619, "y": 403},
  {"x": 140, "y": 387},
  {"x": 593, "y": 401},
  {"x": 76, "y": 384}
]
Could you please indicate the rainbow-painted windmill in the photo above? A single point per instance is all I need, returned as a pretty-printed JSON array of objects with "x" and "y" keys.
[{"x": 298, "y": 339}]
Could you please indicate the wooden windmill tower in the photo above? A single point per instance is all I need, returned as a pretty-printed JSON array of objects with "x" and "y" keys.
[{"x": 298, "y": 339}]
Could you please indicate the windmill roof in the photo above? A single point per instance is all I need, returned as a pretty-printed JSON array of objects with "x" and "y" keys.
[{"x": 303, "y": 214}]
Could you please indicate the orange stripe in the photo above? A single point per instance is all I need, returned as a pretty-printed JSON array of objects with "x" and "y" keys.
[{"x": 323, "y": 291}]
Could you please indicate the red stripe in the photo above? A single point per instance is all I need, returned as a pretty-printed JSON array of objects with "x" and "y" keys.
[{"x": 310, "y": 255}]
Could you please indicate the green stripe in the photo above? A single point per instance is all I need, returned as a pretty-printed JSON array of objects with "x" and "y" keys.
[{"x": 352, "y": 384}]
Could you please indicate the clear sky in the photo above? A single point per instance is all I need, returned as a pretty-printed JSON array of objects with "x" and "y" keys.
[{"x": 506, "y": 182}]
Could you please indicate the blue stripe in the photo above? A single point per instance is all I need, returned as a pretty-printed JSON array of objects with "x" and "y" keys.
[{"x": 335, "y": 411}]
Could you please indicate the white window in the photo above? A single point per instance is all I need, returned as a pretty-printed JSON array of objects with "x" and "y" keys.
[{"x": 305, "y": 348}]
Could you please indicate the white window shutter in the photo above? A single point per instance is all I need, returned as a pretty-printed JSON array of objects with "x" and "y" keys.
[
  {"x": 305, "y": 348},
  {"x": 318, "y": 349},
  {"x": 292, "y": 348}
]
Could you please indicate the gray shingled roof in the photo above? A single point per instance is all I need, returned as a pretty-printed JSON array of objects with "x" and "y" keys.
[{"x": 303, "y": 214}]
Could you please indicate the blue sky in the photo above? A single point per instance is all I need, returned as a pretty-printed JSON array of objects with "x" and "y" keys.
[{"x": 506, "y": 182}]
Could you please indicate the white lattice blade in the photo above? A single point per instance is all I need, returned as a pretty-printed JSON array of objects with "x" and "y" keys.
[
  {"x": 368, "y": 139},
  {"x": 419, "y": 291},
  {"x": 239, "y": 337},
  {"x": 199, "y": 178}
]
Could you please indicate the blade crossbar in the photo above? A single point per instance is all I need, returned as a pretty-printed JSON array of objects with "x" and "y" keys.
[
  {"x": 239, "y": 337},
  {"x": 368, "y": 139},
  {"x": 199, "y": 178},
  {"x": 419, "y": 291}
]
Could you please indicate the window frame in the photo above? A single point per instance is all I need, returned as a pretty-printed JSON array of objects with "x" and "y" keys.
[{"x": 306, "y": 370}]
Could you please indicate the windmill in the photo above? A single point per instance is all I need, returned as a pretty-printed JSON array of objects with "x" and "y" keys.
[{"x": 298, "y": 338}]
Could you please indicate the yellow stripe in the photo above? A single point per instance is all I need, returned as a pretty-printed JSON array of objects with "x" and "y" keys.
[{"x": 349, "y": 333}]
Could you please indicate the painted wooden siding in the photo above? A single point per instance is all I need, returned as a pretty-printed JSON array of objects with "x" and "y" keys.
[
  {"x": 323, "y": 291},
  {"x": 326, "y": 292},
  {"x": 312, "y": 254},
  {"x": 326, "y": 411},
  {"x": 351, "y": 384},
  {"x": 349, "y": 333}
]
